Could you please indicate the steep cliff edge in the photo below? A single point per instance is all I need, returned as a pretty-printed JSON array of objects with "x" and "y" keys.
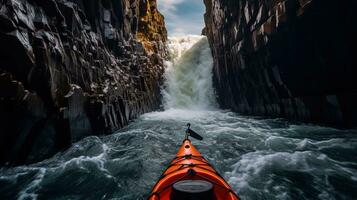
[
  {"x": 73, "y": 68},
  {"x": 285, "y": 58}
]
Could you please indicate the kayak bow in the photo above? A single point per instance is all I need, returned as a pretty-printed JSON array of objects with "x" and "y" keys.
[{"x": 190, "y": 176}]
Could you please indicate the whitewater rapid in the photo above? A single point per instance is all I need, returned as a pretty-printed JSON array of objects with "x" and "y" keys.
[
  {"x": 260, "y": 158},
  {"x": 188, "y": 74}
]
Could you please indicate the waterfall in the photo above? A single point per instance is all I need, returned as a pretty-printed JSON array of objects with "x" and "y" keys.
[{"x": 188, "y": 77}]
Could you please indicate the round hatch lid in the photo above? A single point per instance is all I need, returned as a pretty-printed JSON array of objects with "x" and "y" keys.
[{"x": 193, "y": 189}]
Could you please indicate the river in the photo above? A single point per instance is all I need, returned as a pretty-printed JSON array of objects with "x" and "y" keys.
[{"x": 260, "y": 158}]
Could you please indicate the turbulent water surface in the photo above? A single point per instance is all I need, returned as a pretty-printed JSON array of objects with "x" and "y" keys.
[{"x": 260, "y": 158}]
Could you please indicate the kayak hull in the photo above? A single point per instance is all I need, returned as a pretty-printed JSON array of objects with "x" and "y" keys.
[{"x": 189, "y": 164}]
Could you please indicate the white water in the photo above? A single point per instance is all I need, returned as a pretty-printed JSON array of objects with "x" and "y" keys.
[
  {"x": 188, "y": 75},
  {"x": 260, "y": 158}
]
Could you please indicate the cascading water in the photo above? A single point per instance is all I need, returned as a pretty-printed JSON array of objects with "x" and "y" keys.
[
  {"x": 260, "y": 158},
  {"x": 189, "y": 74}
]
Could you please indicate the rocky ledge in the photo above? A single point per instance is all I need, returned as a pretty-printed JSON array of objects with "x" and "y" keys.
[
  {"x": 73, "y": 68},
  {"x": 285, "y": 58}
]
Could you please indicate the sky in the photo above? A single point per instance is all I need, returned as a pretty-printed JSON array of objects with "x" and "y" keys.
[{"x": 183, "y": 17}]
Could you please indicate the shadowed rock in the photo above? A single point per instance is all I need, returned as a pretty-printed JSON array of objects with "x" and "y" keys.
[
  {"x": 73, "y": 68},
  {"x": 286, "y": 58}
]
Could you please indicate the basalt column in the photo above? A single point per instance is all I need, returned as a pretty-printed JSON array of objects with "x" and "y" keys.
[
  {"x": 73, "y": 68},
  {"x": 285, "y": 58}
]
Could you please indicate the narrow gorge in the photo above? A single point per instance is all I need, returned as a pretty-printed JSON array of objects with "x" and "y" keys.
[
  {"x": 96, "y": 95},
  {"x": 260, "y": 158}
]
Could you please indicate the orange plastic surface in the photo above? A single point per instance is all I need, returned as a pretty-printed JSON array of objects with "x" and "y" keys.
[{"x": 188, "y": 157}]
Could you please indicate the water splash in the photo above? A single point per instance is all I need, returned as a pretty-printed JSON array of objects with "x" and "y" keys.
[{"x": 188, "y": 75}]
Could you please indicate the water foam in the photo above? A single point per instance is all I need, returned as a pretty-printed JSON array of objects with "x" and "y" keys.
[
  {"x": 260, "y": 158},
  {"x": 188, "y": 75}
]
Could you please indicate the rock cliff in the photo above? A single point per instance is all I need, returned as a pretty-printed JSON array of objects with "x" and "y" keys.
[
  {"x": 285, "y": 58},
  {"x": 73, "y": 68}
]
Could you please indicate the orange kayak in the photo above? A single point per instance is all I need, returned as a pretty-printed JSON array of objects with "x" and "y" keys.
[{"x": 190, "y": 176}]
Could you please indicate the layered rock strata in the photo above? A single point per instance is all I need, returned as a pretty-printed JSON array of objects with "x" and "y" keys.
[
  {"x": 285, "y": 58},
  {"x": 73, "y": 68}
]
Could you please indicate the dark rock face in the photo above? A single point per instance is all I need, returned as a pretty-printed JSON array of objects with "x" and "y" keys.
[
  {"x": 285, "y": 58},
  {"x": 73, "y": 68}
]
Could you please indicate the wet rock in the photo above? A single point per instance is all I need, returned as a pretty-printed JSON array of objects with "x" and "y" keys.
[
  {"x": 76, "y": 113},
  {"x": 288, "y": 58},
  {"x": 70, "y": 68}
]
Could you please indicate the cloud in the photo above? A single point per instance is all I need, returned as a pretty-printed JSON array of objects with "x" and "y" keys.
[
  {"x": 168, "y": 5},
  {"x": 185, "y": 27},
  {"x": 182, "y": 17}
]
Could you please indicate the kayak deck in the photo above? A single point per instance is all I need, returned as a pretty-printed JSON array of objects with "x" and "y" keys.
[{"x": 189, "y": 164}]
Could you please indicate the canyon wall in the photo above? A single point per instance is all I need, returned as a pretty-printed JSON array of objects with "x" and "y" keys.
[
  {"x": 285, "y": 58},
  {"x": 73, "y": 68}
]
